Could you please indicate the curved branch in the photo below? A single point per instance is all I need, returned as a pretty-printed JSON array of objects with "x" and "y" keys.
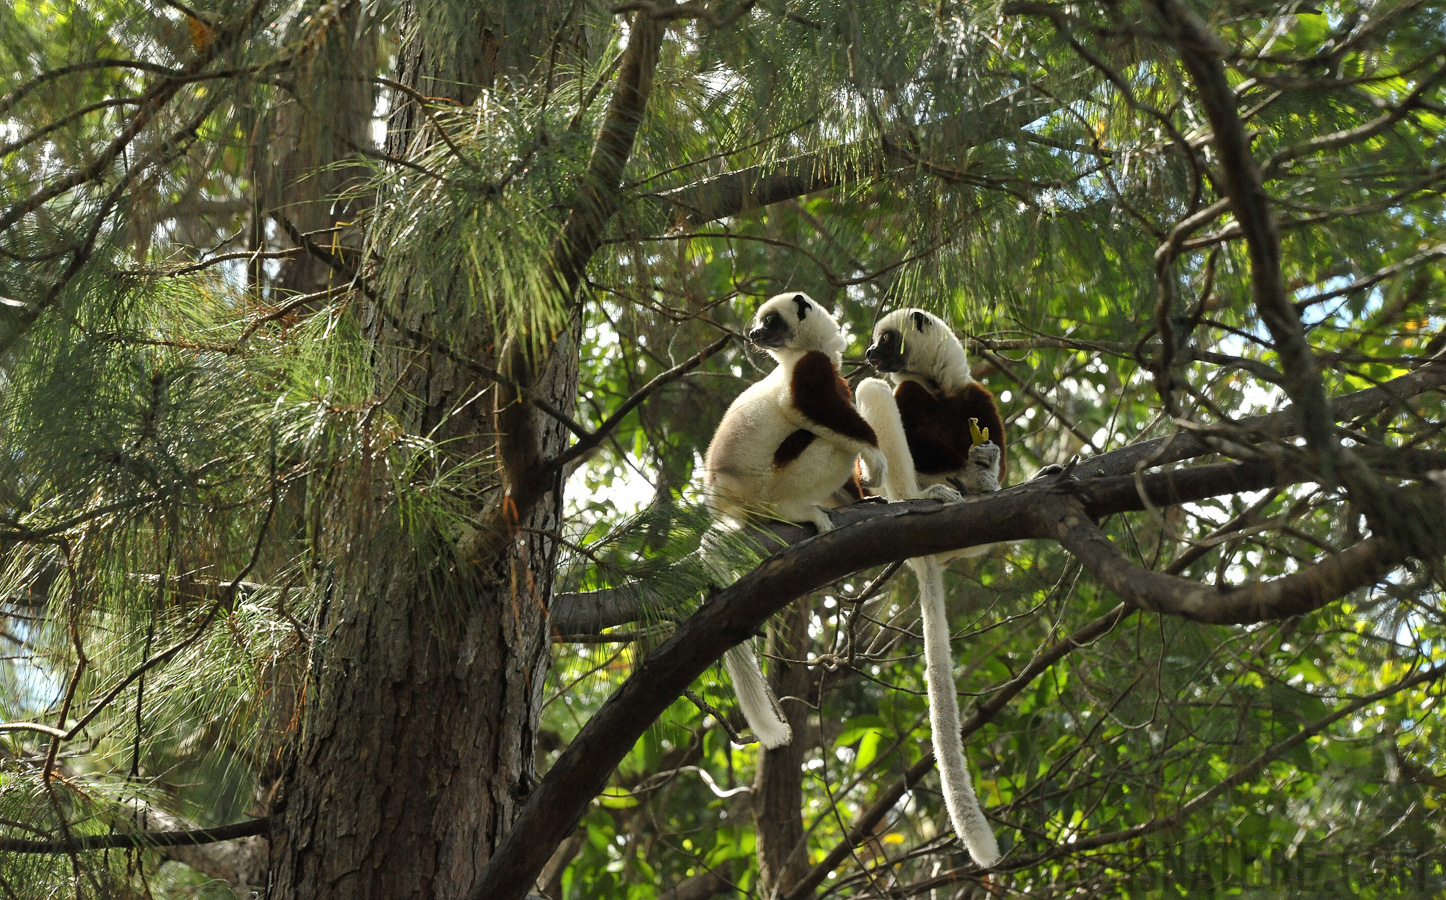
[
  {"x": 1203, "y": 52},
  {"x": 1272, "y": 426},
  {"x": 864, "y": 536},
  {"x": 1330, "y": 579},
  {"x": 9, "y": 100},
  {"x": 34, "y": 727}
]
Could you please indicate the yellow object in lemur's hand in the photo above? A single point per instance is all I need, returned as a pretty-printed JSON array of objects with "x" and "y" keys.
[{"x": 977, "y": 435}]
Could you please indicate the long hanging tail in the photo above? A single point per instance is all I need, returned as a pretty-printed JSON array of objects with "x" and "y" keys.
[
  {"x": 760, "y": 707},
  {"x": 877, "y": 405},
  {"x": 969, "y": 822}
]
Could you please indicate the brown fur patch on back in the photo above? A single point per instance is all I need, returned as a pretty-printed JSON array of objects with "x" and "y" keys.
[
  {"x": 823, "y": 396},
  {"x": 937, "y": 427},
  {"x": 792, "y": 447}
]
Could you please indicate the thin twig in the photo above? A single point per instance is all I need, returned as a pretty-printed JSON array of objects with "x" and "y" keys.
[
  {"x": 720, "y": 718},
  {"x": 588, "y": 441},
  {"x": 142, "y": 840}
]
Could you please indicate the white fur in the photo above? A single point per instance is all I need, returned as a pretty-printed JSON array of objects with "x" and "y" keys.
[
  {"x": 936, "y": 359},
  {"x": 876, "y": 402},
  {"x": 740, "y": 478},
  {"x": 760, "y": 707},
  {"x": 964, "y": 811},
  {"x": 934, "y": 363}
]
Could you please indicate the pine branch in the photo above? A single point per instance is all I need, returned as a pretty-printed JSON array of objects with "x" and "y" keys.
[
  {"x": 756, "y": 187},
  {"x": 150, "y": 103},
  {"x": 142, "y": 839},
  {"x": 528, "y": 478}
]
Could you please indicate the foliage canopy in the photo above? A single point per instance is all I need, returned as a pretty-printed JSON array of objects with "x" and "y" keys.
[{"x": 1149, "y": 219}]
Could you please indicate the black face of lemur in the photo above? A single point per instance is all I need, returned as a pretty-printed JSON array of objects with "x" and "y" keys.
[
  {"x": 774, "y": 329},
  {"x": 887, "y": 353}
]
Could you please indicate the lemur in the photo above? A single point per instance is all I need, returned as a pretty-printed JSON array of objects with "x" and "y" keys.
[
  {"x": 787, "y": 448},
  {"x": 944, "y": 411},
  {"x": 935, "y": 427}
]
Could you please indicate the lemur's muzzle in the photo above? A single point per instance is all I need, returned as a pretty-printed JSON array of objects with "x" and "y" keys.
[
  {"x": 766, "y": 338},
  {"x": 883, "y": 358}
]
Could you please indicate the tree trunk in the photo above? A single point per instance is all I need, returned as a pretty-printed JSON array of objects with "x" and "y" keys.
[
  {"x": 418, "y": 743},
  {"x": 309, "y": 136},
  {"x": 778, "y": 788}
]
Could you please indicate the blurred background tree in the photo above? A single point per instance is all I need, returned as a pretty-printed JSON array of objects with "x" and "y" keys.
[{"x": 358, "y": 358}]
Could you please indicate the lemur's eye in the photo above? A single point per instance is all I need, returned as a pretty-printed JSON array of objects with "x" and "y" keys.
[{"x": 771, "y": 320}]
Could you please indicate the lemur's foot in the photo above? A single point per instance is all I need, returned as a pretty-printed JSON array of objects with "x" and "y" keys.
[
  {"x": 943, "y": 493},
  {"x": 977, "y": 480},
  {"x": 1055, "y": 469}
]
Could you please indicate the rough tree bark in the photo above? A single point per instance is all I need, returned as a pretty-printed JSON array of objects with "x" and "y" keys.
[
  {"x": 778, "y": 786},
  {"x": 309, "y": 136},
  {"x": 418, "y": 746}
]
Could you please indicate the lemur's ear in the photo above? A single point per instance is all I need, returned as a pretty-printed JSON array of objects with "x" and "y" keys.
[
  {"x": 921, "y": 321},
  {"x": 801, "y": 302}
]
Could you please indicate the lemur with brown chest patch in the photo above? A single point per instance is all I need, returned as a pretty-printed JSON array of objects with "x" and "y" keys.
[
  {"x": 787, "y": 448},
  {"x": 942, "y": 409},
  {"x": 937, "y": 427}
]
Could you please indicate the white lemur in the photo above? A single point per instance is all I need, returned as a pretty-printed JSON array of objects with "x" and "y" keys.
[
  {"x": 936, "y": 427},
  {"x": 787, "y": 448}
]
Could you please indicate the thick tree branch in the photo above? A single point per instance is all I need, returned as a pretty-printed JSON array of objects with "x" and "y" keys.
[
  {"x": 1271, "y": 426},
  {"x": 526, "y": 475},
  {"x": 591, "y": 611},
  {"x": 868, "y": 535}
]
